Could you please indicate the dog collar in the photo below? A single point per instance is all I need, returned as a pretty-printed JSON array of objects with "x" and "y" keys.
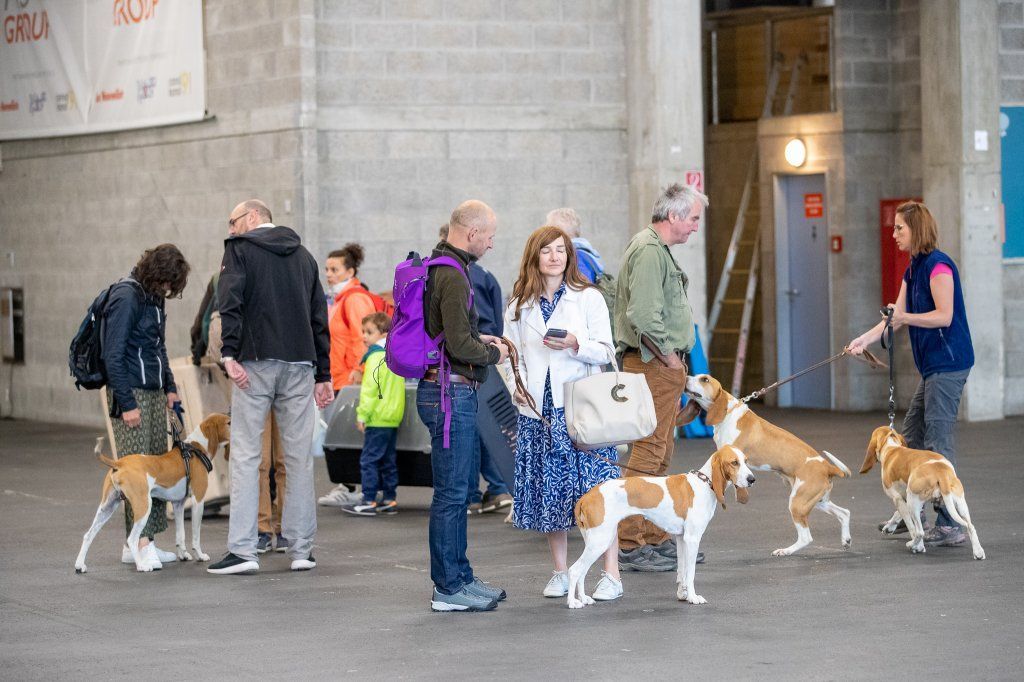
[{"x": 702, "y": 476}]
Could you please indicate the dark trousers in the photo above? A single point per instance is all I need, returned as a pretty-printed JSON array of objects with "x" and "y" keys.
[
  {"x": 449, "y": 567},
  {"x": 378, "y": 463},
  {"x": 930, "y": 423}
]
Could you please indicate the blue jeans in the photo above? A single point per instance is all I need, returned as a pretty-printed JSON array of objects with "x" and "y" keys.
[
  {"x": 378, "y": 463},
  {"x": 483, "y": 463},
  {"x": 931, "y": 422},
  {"x": 449, "y": 567}
]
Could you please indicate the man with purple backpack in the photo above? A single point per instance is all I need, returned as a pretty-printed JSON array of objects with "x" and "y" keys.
[{"x": 435, "y": 338}]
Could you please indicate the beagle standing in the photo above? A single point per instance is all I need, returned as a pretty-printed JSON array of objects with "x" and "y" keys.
[
  {"x": 682, "y": 505},
  {"x": 140, "y": 477},
  {"x": 912, "y": 477},
  {"x": 769, "y": 448}
]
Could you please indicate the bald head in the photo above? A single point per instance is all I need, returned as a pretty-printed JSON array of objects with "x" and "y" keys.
[
  {"x": 472, "y": 227},
  {"x": 247, "y": 216}
]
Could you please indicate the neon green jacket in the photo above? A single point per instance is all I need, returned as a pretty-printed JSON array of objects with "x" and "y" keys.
[{"x": 382, "y": 396}]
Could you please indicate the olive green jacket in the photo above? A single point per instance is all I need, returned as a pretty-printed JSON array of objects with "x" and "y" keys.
[{"x": 651, "y": 299}]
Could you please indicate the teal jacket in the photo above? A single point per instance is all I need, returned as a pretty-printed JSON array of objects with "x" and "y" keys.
[{"x": 382, "y": 396}]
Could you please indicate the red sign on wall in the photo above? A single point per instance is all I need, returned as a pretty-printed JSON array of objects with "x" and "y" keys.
[
  {"x": 695, "y": 179},
  {"x": 894, "y": 261},
  {"x": 814, "y": 205}
]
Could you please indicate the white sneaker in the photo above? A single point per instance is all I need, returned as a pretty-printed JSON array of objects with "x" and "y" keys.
[
  {"x": 304, "y": 564},
  {"x": 338, "y": 496},
  {"x": 558, "y": 586},
  {"x": 608, "y": 588},
  {"x": 150, "y": 559},
  {"x": 161, "y": 556}
]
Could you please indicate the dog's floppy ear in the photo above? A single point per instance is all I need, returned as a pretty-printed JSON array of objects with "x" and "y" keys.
[
  {"x": 872, "y": 453},
  {"x": 718, "y": 479},
  {"x": 716, "y": 413}
]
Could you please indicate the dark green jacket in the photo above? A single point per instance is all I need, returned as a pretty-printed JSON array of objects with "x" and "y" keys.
[{"x": 447, "y": 298}]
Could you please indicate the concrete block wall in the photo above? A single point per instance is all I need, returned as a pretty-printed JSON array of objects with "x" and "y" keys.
[
  {"x": 77, "y": 212},
  {"x": 421, "y": 105},
  {"x": 1011, "y": 91}
]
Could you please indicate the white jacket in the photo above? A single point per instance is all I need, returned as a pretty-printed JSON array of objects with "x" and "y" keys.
[{"x": 583, "y": 314}]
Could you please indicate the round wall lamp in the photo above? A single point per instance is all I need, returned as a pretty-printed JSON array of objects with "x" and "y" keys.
[{"x": 796, "y": 152}]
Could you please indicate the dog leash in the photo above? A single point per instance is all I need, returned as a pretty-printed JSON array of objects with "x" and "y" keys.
[
  {"x": 186, "y": 450},
  {"x": 868, "y": 358},
  {"x": 887, "y": 344},
  {"x": 513, "y": 356}
]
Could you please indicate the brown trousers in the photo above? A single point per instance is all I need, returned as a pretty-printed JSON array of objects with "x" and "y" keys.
[
  {"x": 653, "y": 453},
  {"x": 273, "y": 455}
]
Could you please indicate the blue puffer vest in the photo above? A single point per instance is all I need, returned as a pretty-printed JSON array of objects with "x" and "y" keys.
[{"x": 944, "y": 349}]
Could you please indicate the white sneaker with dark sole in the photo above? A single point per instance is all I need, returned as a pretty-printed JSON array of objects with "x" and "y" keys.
[
  {"x": 232, "y": 564},
  {"x": 463, "y": 600},
  {"x": 558, "y": 586},
  {"x": 304, "y": 564}
]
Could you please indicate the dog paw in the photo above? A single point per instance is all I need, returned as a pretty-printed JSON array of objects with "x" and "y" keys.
[
  {"x": 183, "y": 555},
  {"x": 144, "y": 568},
  {"x": 681, "y": 594},
  {"x": 587, "y": 600},
  {"x": 575, "y": 603},
  {"x": 781, "y": 552},
  {"x": 980, "y": 555},
  {"x": 847, "y": 543},
  {"x": 917, "y": 549},
  {"x": 889, "y": 529},
  {"x": 80, "y": 568},
  {"x": 696, "y": 599},
  {"x": 200, "y": 556}
]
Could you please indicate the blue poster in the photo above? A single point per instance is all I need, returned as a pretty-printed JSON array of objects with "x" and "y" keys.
[{"x": 1011, "y": 130}]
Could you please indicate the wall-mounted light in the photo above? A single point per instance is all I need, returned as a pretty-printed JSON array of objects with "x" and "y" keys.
[{"x": 796, "y": 152}]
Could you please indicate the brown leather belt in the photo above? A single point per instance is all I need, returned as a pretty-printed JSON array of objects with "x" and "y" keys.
[{"x": 432, "y": 375}]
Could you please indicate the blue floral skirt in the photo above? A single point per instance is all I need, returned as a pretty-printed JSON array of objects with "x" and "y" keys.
[{"x": 551, "y": 474}]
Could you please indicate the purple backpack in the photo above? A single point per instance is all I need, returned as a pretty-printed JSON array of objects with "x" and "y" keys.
[{"x": 410, "y": 350}]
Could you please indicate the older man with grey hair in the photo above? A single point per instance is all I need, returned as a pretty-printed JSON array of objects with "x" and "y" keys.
[
  {"x": 654, "y": 330},
  {"x": 587, "y": 258}
]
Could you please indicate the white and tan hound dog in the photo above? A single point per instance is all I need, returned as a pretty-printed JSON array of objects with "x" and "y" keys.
[
  {"x": 141, "y": 477},
  {"x": 682, "y": 505},
  {"x": 912, "y": 477},
  {"x": 769, "y": 448}
]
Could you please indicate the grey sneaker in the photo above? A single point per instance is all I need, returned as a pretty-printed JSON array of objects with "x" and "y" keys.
[
  {"x": 645, "y": 559},
  {"x": 945, "y": 536},
  {"x": 282, "y": 544},
  {"x": 668, "y": 550},
  {"x": 496, "y": 503},
  {"x": 338, "y": 496},
  {"x": 482, "y": 589},
  {"x": 463, "y": 600}
]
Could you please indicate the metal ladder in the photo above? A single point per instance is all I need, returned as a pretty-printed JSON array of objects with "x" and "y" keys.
[{"x": 736, "y": 241}]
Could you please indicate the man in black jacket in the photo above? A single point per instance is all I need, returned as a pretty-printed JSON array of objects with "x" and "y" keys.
[
  {"x": 471, "y": 235},
  {"x": 276, "y": 347}
]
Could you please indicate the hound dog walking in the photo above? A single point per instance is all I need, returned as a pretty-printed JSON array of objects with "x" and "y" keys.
[
  {"x": 769, "y": 448},
  {"x": 140, "y": 477},
  {"x": 912, "y": 477},
  {"x": 682, "y": 505}
]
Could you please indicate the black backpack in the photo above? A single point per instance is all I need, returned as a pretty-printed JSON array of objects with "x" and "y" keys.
[{"x": 85, "y": 357}]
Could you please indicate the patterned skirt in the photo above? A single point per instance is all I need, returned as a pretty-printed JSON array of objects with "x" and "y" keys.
[
  {"x": 551, "y": 474},
  {"x": 148, "y": 439}
]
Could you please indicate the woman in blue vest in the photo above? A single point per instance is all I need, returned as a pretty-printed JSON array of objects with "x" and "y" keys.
[{"x": 931, "y": 304}]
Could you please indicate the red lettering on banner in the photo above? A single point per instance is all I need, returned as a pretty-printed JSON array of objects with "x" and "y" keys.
[
  {"x": 26, "y": 28},
  {"x": 9, "y": 106},
  {"x": 127, "y": 12},
  {"x": 108, "y": 95}
]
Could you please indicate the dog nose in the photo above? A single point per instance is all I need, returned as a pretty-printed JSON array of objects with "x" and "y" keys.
[{"x": 750, "y": 480}]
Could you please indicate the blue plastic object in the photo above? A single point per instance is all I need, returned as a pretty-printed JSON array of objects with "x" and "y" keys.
[{"x": 698, "y": 364}]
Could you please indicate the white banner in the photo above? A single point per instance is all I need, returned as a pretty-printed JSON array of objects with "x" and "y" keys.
[{"x": 69, "y": 67}]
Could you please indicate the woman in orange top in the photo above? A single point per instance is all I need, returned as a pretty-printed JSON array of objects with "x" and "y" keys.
[{"x": 348, "y": 303}]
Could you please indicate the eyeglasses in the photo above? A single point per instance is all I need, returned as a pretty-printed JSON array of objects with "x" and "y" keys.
[{"x": 232, "y": 221}]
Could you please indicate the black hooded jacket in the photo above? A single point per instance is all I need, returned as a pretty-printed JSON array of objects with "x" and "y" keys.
[{"x": 272, "y": 306}]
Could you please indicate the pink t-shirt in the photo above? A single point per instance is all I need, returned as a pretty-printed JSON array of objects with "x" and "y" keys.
[{"x": 941, "y": 269}]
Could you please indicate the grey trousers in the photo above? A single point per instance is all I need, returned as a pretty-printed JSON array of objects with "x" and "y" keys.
[
  {"x": 930, "y": 423},
  {"x": 288, "y": 389}
]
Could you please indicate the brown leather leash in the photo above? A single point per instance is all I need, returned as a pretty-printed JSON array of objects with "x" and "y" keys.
[{"x": 513, "y": 357}]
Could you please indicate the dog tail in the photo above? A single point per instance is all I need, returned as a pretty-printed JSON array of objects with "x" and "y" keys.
[
  {"x": 112, "y": 463},
  {"x": 841, "y": 470}
]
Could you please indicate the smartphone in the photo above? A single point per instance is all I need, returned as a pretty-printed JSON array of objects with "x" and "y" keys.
[{"x": 556, "y": 333}]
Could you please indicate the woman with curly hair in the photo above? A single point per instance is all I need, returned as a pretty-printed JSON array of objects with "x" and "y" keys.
[{"x": 140, "y": 386}]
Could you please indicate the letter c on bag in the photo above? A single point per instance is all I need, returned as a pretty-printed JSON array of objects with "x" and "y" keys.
[{"x": 615, "y": 393}]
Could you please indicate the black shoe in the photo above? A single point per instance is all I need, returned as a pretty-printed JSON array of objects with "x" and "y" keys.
[
  {"x": 646, "y": 559},
  {"x": 668, "y": 550},
  {"x": 232, "y": 564}
]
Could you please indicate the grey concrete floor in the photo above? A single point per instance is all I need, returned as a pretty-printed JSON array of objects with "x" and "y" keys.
[{"x": 871, "y": 612}]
